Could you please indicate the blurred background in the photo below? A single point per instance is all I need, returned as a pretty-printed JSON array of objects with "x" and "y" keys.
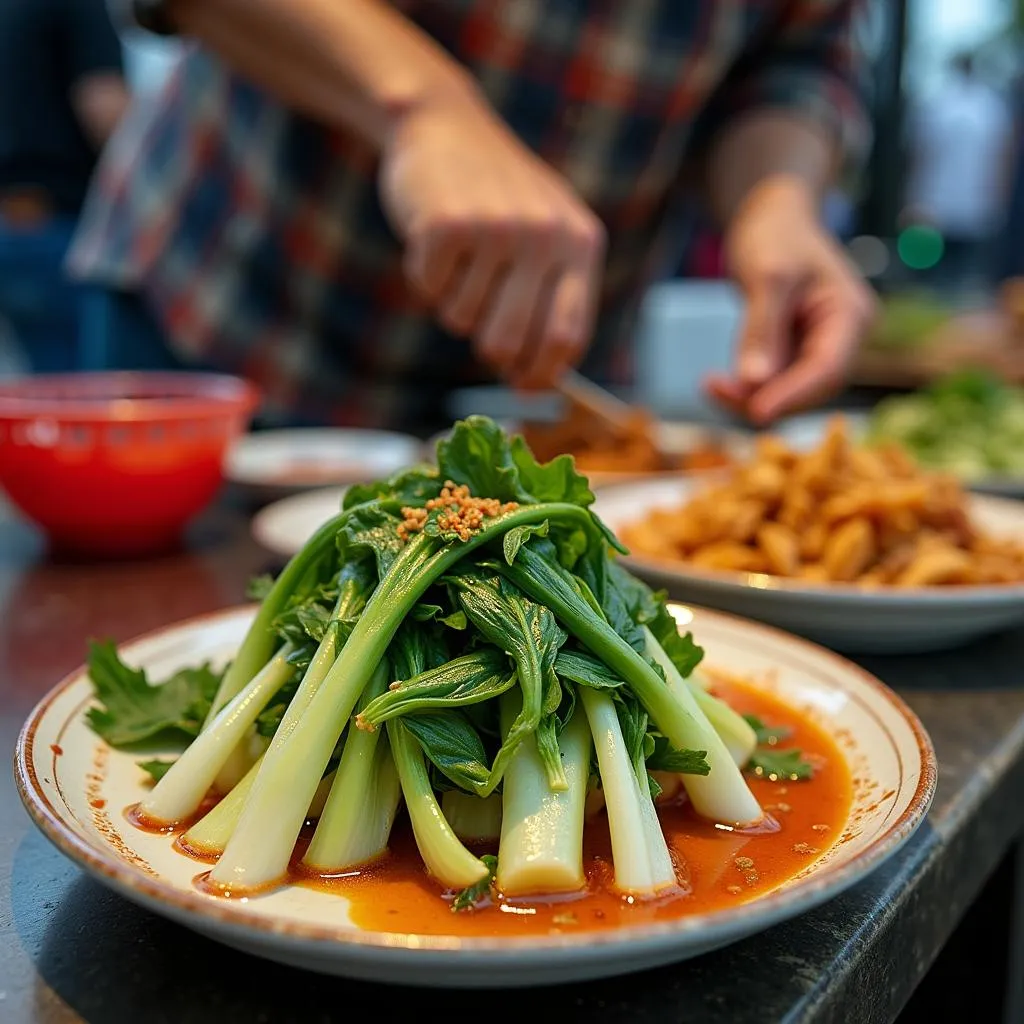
[{"x": 935, "y": 219}]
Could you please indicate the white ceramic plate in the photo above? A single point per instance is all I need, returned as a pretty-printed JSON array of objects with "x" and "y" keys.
[
  {"x": 75, "y": 788},
  {"x": 806, "y": 431},
  {"x": 285, "y": 461},
  {"x": 284, "y": 526},
  {"x": 845, "y": 617}
]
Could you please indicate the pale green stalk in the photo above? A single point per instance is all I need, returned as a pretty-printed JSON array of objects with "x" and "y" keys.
[
  {"x": 473, "y": 819},
  {"x": 182, "y": 789},
  {"x": 643, "y": 865},
  {"x": 442, "y": 851},
  {"x": 541, "y": 847},
  {"x": 360, "y": 809}
]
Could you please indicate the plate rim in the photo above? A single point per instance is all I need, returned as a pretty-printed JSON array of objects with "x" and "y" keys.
[
  {"x": 714, "y": 925},
  {"x": 846, "y": 593},
  {"x": 294, "y": 433},
  {"x": 258, "y": 523}
]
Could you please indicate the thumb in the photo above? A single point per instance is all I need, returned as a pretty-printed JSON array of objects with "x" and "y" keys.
[{"x": 767, "y": 329}]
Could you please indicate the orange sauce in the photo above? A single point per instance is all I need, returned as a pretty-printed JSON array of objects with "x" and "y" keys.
[
  {"x": 716, "y": 867},
  {"x": 136, "y": 816}
]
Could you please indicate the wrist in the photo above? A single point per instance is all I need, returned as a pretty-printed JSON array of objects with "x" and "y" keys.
[
  {"x": 431, "y": 92},
  {"x": 779, "y": 194}
]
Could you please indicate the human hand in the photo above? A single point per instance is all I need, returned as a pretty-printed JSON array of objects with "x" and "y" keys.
[
  {"x": 495, "y": 240},
  {"x": 807, "y": 309}
]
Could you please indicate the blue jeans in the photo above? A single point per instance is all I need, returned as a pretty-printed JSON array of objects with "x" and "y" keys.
[
  {"x": 37, "y": 301},
  {"x": 118, "y": 332}
]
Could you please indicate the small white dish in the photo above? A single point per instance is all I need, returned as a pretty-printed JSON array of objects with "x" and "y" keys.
[
  {"x": 284, "y": 526},
  {"x": 75, "y": 788},
  {"x": 274, "y": 462},
  {"x": 844, "y": 617}
]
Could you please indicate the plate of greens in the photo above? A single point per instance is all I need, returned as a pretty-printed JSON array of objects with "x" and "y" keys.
[
  {"x": 969, "y": 424},
  {"x": 456, "y": 743}
]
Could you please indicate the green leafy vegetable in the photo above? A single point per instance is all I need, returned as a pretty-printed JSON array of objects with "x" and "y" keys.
[
  {"x": 586, "y": 670},
  {"x": 665, "y": 758},
  {"x": 156, "y": 769},
  {"x": 454, "y": 747},
  {"x": 133, "y": 710},
  {"x": 473, "y": 894},
  {"x": 767, "y": 735},
  {"x": 481, "y": 675},
  {"x": 775, "y": 764}
]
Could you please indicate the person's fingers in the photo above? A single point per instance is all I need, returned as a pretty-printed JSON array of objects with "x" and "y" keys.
[
  {"x": 433, "y": 253},
  {"x": 564, "y": 324},
  {"x": 503, "y": 333},
  {"x": 765, "y": 342},
  {"x": 464, "y": 302},
  {"x": 728, "y": 392},
  {"x": 833, "y": 332}
]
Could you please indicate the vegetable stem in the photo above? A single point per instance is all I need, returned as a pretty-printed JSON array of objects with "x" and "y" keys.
[
  {"x": 541, "y": 848},
  {"x": 643, "y": 864},
  {"x": 182, "y": 789},
  {"x": 442, "y": 852},
  {"x": 259, "y": 850},
  {"x": 360, "y": 809}
]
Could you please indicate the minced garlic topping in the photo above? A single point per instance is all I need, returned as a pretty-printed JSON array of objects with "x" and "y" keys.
[{"x": 461, "y": 513}]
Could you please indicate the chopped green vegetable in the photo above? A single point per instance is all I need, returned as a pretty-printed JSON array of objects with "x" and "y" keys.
[
  {"x": 464, "y": 638},
  {"x": 473, "y": 894},
  {"x": 156, "y": 770},
  {"x": 777, "y": 764},
  {"x": 133, "y": 710},
  {"x": 767, "y": 735},
  {"x": 970, "y": 424}
]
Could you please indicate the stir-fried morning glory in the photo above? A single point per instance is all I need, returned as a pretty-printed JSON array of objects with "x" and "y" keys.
[{"x": 461, "y": 640}]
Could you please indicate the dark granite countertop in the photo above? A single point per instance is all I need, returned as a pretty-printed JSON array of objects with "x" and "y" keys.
[{"x": 70, "y": 950}]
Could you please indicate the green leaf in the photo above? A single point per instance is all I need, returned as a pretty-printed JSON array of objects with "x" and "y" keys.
[
  {"x": 649, "y": 609},
  {"x": 479, "y": 454},
  {"x": 469, "y": 897},
  {"x": 519, "y": 535},
  {"x": 586, "y": 670},
  {"x": 435, "y": 613},
  {"x": 132, "y": 710},
  {"x": 416, "y": 648},
  {"x": 155, "y": 769},
  {"x": 414, "y": 486},
  {"x": 597, "y": 574},
  {"x": 633, "y": 723},
  {"x": 453, "y": 746},
  {"x": 556, "y": 480},
  {"x": 665, "y": 758},
  {"x": 259, "y": 587},
  {"x": 371, "y": 529},
  {"x": 526, "y": 631},
  {"x": 270, "y": 717},
  {"x": 767, "y": 735},
  {"x": 473, "y": 678},
  {"x": 774, "y": 764}
]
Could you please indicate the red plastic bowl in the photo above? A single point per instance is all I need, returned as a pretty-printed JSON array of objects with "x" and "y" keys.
[{"x": 115, "y": 464}]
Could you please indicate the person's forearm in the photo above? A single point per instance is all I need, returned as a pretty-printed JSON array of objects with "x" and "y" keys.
[
  {"x": 762, "y": 147},
  {"x": 349, "y": 63}
]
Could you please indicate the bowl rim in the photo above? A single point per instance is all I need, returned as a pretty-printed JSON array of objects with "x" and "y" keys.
[
  {"x": 786, "y": 588},
  {"x": 156, "y": 892},
  {"x": 203, "y": 396}
]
